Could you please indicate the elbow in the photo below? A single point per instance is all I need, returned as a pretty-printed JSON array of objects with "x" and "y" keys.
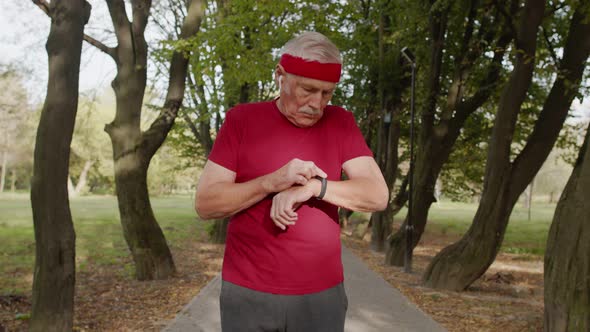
[
  {"x": 382, "y": 198},
  {"x": 201, "y": 209},
  {"x": 375, "y": 203},
  {"x": 206, "y": 212},
  {"x": 201, "y": 212},
  {"x": 381, "y": 204},
  {"x": 207, "y": 215}
]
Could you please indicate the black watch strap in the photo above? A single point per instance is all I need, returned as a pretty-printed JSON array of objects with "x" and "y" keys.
[{"x": 324, "y": 182}]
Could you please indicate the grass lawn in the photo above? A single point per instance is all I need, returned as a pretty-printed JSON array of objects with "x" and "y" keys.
[
  {"x": 99, "y": 238},
  {"x": 522, "y": 235}
]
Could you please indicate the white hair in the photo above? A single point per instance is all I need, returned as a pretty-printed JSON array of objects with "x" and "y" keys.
[{"x": 313, "y": 46}]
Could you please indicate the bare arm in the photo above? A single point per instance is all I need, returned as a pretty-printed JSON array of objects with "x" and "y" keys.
[
  {"x": 219, "y": 196},
  {"x": 364, "y": 191}
]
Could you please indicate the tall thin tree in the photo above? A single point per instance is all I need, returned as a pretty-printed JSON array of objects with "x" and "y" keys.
[{"x": 54, "y": 277}]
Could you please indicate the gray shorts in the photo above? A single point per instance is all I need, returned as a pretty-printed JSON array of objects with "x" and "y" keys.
[{"x": 244, "y": 310}]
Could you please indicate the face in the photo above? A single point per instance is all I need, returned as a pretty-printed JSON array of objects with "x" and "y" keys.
[{"x": 303, "y": 99}]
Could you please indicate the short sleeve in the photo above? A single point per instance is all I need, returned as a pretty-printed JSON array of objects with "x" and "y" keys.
[
  {"x": 353, "y": 143},
  {"x": 225, "y": 148}
]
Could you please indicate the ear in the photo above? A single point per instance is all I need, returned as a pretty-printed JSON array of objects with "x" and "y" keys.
[{"x": 279, "y": 74}]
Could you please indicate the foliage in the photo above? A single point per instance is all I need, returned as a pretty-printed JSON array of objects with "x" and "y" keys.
[{"x": 16, "y": 130}]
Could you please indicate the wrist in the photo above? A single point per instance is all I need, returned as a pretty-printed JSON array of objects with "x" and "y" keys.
[
  {"x": 322, "y": 189},
  {"x": 267, "y": 184},
  {"x": 314, "y": 186}
]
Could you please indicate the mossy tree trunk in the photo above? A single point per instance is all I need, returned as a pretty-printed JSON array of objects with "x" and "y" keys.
[{"x": 567, "y": 259}]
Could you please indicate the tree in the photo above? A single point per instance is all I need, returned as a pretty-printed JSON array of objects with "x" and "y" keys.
[
  {"x": 54, "y": 277},
  {"x": 89, "y": 148},
  {"x": 567, "y": 259},
  {"x": 13, "y": 114},
  {"x": 233, "y": 64},
  {"x": 132, "y": 148},
  {"x": 507, "y": 173},
  {"x": 461, "y": 34}
]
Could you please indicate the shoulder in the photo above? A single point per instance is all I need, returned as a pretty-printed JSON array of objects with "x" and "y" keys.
[
  {"x": 339, "y": 115},
  {"x": 242, "y": 111}
]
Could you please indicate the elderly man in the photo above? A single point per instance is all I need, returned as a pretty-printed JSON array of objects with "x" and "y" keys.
[{"x": 275, "y": 169}]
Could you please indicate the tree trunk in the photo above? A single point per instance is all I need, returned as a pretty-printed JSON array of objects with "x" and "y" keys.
[
  {"x": 71, "y": 189},
  {"x": 13, "y": 180},
  {"x": 431, "y": 153},
  {"x": 83, "y": 177},
  {"x": 142, "y": 233},
  {"x": 344, "y": 217},
  {"x": 3, "y": 174},
  {"x": 423, "y": 199},
  {"x": 458, "y": 265},
  {"x": 567, "y": 259},
  {"x": 132, "y": 149},
  {"x": 388, "y": 132},
  {"x": 437, "y": 141},
  {"x": 144, "y": 236},
  {"x": 54, "y": 276},
  {"x": 219, "y": 231}
]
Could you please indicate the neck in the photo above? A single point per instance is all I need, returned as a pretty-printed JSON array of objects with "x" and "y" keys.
[{"x": 279, "y": 104}]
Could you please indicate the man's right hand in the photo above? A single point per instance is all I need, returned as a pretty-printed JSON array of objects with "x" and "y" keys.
[{"x": 294, "y": 172}]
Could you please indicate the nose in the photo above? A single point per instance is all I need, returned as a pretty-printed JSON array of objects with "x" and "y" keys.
[{"x": 315, "y": 100}]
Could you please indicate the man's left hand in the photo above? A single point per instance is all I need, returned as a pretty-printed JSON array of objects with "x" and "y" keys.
[{"x": 284, "y": 204}]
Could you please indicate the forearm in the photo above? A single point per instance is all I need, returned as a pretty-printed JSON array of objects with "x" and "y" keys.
[
  {"x": 223, "y": 199},
  {"x": 219, "y": 196},
  {"x": 360, "y": 194}
]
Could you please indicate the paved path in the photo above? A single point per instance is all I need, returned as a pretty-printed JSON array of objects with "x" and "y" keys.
[{"x": 373, "y": 305}]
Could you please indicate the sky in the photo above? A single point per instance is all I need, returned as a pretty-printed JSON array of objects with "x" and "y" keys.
[{"x": 23, "y": 32}]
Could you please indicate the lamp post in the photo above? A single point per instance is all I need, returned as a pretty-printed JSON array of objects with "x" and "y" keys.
[{"x": 409, "y": 224}]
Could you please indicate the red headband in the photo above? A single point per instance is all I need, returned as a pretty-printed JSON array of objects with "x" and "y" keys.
[{"x": 329, "y": 72}]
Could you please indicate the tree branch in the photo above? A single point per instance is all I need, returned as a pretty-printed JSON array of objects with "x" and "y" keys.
[
  {"x": 155, "y": 135},
  {"x": 508, "y": 18},
  {"x": 550, "y": 47},
  {"x": 141, "y": 12},
  {"x": 44, "y": 5},
  {"x": 556, "y": 106},
  {"x": 192, "y": 126},
  {"x": 107, "y": 50},
  {"x": 119, "y": 18},
  {"x": 438, "y": 28}
]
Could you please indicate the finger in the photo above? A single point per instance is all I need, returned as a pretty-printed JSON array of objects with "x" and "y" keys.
[
  {"x": 278, "y": 224},
  {"x": 320, "y": 172},
  {"x": 285, "y": 212},
  {"x": 277, "y": 214},
  {"x": 290, "y": 211},
  {"x": 283, "y": 222},
  {"x": 273, "y": 209},
  {"x": 302, "y": 180},
  {"x": 291, "y": 214},
  {"x": 288, "y": 217}
]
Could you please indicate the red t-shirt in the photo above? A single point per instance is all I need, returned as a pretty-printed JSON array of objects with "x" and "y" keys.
[{"x": 257, "y": 139}]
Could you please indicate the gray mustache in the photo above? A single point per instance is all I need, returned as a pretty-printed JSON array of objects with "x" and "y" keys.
[{"x": 309, "y": 111}]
